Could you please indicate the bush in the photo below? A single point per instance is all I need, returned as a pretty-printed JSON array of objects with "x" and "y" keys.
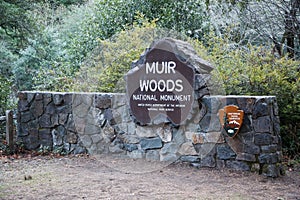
[
  {"x": 102, "y": 19},
  {"x": 104, "y": 70},
  {"x": 6, "y": 60},
  {"x": 4, "y": 94}
]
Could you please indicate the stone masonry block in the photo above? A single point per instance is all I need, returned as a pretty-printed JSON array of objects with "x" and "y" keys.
[
  {"x": 246, "y": 104},
  {"x": 246, "y": 157},
  {"x": 187, "y": 149},
  {"x": 238, "y": 165},
  {"x": 151, "y": 143},
  {"x": 58, "y": 99},
  {"x": 208, "y": 161},
  {"x": 224, "y": 152},
  {"x": 261, "y": 109},
  {"x": 190, "y": 159},
  {"x": 263, "y": 139},
  {"x": 268, "y": 158},
  {"x": 144, "y": 131},
  {"x": 102, "y": 101},
  {"x": 263, "y": 125},
  {"x": 152, "y": 155}
]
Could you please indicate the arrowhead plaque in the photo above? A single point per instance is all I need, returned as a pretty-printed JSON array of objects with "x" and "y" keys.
[{"x": 231, "y": 119}]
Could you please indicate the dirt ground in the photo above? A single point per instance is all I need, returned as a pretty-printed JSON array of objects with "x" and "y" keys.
[{"x": 95, "y": 177}]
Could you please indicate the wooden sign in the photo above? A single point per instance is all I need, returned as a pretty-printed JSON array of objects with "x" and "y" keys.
[
  {"x": 160, "y": 87},
  {"x": 231, "y": 119}
]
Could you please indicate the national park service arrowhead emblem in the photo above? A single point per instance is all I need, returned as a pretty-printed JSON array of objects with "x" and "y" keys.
[{"x": 231, "y": 119}]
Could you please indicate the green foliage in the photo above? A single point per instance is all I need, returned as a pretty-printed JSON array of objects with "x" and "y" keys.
[
  {"x": 44, "y": 150},
  {"x": 103, "y": 19},
  {"x": 15, "y": 27},
  {"x": 57, "y": 3},
  {"x": 4, "y": 148},
  {"x": 52, "y": 71},
  {"x": 64, "y": 38},
  {"x": 44, "y": 63},
  {"x": 6, "y": 60},
  {"x": 187, "y": 16},
  {"x": 104, "y": 70},
  {"x": 60, "y": 150},
  {"x": 4, "y": 94},
  {"x": 15, "y": 22}
]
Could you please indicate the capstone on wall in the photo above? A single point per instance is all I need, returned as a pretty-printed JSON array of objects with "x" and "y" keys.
[{"x": 100, "y": 123}]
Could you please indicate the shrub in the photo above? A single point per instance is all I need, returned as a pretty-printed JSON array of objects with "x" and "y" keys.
[
  {"x": 104, "y": 70},
  {"x": 4, "y": 94}
]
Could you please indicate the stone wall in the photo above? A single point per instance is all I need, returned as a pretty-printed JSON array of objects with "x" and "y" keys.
[{"x": 98, "y": 123}]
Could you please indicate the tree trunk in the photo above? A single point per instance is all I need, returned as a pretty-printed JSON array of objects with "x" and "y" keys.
[
  {"x": 291, "y": 27},
  {"x": 289, "y": 33}
]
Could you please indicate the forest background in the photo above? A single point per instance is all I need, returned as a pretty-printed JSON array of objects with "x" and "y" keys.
[{"x": 88, "y": 45}]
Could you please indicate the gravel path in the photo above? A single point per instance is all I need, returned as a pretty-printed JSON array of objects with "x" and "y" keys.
[{"x": 114, "y": 178}]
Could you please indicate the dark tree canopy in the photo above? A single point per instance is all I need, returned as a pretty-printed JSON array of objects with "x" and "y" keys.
[
  {"x": 14, "y": 21},
  {"x": 278, "y": 21}
]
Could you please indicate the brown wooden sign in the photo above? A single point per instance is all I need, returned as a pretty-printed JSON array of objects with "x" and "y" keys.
[
  {"x": 160, "y": 88},
  {"x": 231, "y": 119}
]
